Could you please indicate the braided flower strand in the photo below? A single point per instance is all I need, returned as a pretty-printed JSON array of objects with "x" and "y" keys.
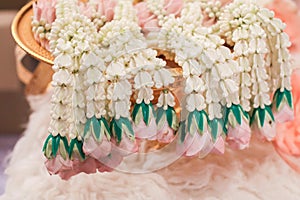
[{"x": 260, "y": 46}]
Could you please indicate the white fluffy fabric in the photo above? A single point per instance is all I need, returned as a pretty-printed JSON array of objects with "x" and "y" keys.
[{"x": 256, "y": 173}]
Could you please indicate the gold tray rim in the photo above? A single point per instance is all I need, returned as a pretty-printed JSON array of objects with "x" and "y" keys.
[{"x": 15, "y": 33}]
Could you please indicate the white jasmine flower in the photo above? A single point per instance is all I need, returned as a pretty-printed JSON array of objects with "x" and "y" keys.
[
  {"x": 93, "y": 75},
  {"x": 61, "y": 77},
  {"x": 195, "y": 101},
  {"x": 116, "y": 68},
  {"x": 63, "y": 60},
  {"x": 91, "y": 60},
  {"x": 166, "y": 99},
  {"x": 163, "y": 78},
  {"x": 194, "y": 84},
  {"x": 143, "y": 79},
  {"x": 144, "y": 94}
]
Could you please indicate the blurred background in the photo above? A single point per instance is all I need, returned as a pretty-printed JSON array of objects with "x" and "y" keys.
[
  {"x": 14, "y": 110},
  {"x": 13, "y": 106}
]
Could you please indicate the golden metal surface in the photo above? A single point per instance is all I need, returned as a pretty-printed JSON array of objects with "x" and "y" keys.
[{"x": 21, "y": 31}]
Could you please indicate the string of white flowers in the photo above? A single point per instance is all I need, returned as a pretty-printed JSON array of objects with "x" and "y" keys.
[
  {"x": 120, "y": 38},
  {"x": 211, "y": 59},
  {"x": 171, "y": 37},
  {"x": 117, "y": 38},
  {"x": 241, "y": 28},
  {"x": 278, "y": 43},
  {"x": 95, "y": 82},
  {"x": 62, "y": 81}
]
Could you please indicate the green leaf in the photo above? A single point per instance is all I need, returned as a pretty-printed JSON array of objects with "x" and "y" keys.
[
  {"x": 201, "y": 121},
  {"x": 48, "y": 150},
  {"x": 79, "y": 147},
  {"x": 182, "y": 127},
  {"x": 237, "y": 113},
  {"x": 87, "y": 127},
  {"x": 246, "y": 114},
  {"x": 146, "y": 114},
  {"x": 65, "y": 141},
  {"x": 55, "y": 145},
  {"x": 276, "y": 94},
  {"x": 50, "y": 136},
  {"x": 117, "y": 130},
  {"x": 214, "y": 128},
  {"x": 76, "y": 145},
  {"x": 135, "y": 111},
  {"x": 106, "y": 127},
  {"x": 253, "y": 117},
  {"x": 62, "y": 150},
  {"x": 169, "y": 116},
  {"x": 160, "y": 113},
  {"x": 196, "y": 115},
  {"x": 127, "y": 123},
  {"x": 269, "y": 110},
  {"x": 279, "y": 98},
  {"x": 289, "y": 97},
  {"x": 190, "y": 118},
  {"x": 175, "y": 123},
  {"x": 96, "y": 128},
  {"x": 227, "y": 112},
  {"x": 72, "y": 143},
  {"x": 262, "y": 116},
  {"x": 153, "y": 110}
]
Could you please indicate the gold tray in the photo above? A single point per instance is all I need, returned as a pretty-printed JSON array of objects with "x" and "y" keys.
[{"x": 22, "y": 34}]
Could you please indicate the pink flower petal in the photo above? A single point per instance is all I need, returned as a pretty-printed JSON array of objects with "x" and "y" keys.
[
  {"x": 111, "y": 161},
  {"x": 166, "y": 134},
  {"x": 239, "y": 137},
  {"x": 267, "y": 132},
  {"x": 284, "y": 115},
  {"x": 194, "y": 144},
  {"x": 125, "y": 147},
  {"x": 143, "y": 131},
  {"x": 96, "y": 150},
  {"x": 219, "y": 146}
]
